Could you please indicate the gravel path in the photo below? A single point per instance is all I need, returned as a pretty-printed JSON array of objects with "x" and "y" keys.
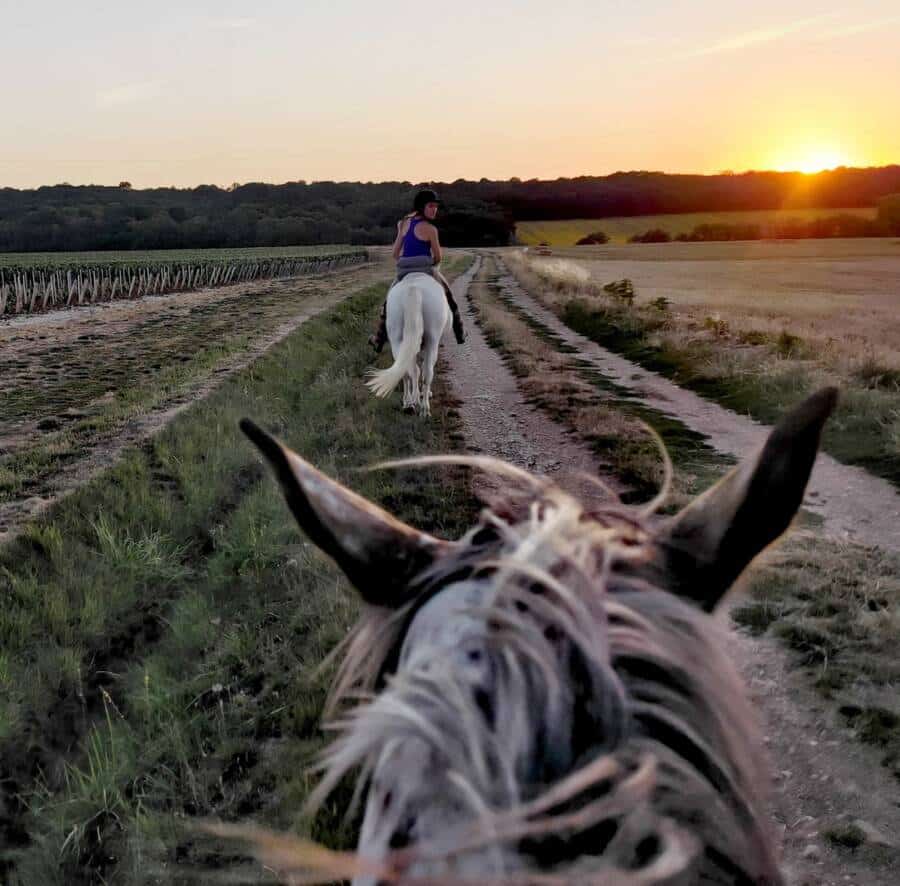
[{"x": 498, "y": 421}]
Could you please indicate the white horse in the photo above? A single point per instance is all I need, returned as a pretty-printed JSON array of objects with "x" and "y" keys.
[{"x": 417, "y": 315}]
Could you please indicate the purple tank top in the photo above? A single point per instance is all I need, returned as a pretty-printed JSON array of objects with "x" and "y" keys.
[{"x": 412, "y": 245}]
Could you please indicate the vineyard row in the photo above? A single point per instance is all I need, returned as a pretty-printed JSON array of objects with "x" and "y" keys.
[{"x": 31, "y": 290}]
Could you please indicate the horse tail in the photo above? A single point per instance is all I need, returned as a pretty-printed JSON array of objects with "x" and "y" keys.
[{"x": 384, "y": 381}]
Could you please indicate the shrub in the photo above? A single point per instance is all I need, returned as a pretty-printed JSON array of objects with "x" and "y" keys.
[
  {"x": 716, "y": 325},
  {"x": 889, "y": 213},
  {"x": 597, "y": 238},
  {"x": 621, "y": 289},
  {"x": 654, "y": 235}
]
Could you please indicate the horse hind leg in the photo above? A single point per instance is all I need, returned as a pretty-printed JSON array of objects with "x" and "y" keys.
[
  {"x": 414, "y": 382},
  {"x": 409, "y": 403},
  {"x": 411, "y": 389},
  {"x": 429, "y": 358}
]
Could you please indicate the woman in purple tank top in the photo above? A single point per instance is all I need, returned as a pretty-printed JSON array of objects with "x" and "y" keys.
[{"x": 417, "y": 249}]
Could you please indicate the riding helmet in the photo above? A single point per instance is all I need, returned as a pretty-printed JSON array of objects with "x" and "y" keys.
[{"x": 423, "y": 198}]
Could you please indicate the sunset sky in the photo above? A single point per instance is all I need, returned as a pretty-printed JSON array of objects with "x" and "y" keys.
[{"x": 181, "y": 93}]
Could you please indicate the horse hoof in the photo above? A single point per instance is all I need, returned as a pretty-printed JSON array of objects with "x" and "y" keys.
[{"x": 409, "y": 410}]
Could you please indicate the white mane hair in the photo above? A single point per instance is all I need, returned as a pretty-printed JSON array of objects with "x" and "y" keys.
[{"x": 616, "y": 710}]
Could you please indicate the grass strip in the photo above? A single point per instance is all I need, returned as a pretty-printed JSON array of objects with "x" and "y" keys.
[{"x": 597, "y": 410}]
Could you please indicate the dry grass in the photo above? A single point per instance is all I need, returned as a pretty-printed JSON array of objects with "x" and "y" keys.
[
  {"x": 837, "y": 607},
  {"x": 841, "y": 297}
]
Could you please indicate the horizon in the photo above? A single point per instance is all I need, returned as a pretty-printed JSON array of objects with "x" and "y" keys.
[
  {"x": 346, "y": 92},
  {"x": 512, "y": 178}
]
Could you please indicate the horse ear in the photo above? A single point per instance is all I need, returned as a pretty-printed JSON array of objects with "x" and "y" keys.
[
  {"x": 379, "y": 554},
  {"x": 709, "y": 543}
]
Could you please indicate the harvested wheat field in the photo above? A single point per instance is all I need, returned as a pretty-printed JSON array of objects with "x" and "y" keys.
[{"x": 839, "y": 294}]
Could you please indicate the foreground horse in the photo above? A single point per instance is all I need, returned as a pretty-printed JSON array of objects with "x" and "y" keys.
[
  {"x": 548, "y": 700},
  {"x": 417, "y": 315}
]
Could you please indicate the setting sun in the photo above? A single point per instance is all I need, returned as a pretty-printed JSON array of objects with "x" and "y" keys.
[{"x": 813, "y": 160}]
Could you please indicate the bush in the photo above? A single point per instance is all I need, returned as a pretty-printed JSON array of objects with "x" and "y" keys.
[
  {"x": 623, "y": 290},
  {"x": 597, "y": 238},
  {"x": 654, "y": 235},
  {"x": 716, "y": 325}
]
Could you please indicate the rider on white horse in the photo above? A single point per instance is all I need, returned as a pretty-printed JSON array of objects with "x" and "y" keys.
[{"x": 417, "y": 250}]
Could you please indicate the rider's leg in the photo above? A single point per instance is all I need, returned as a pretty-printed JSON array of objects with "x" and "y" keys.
[
  {"x": 379, "y": 337},
  {"x": 458, "y": 330}
]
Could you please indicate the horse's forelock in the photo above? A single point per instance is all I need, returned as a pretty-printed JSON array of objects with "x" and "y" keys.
[{"x": 585, "y": 546}]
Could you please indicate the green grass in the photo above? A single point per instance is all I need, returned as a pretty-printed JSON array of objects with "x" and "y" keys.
[
  {"x": 162, "y": 626},
  {"x": 567, "y": 232}
]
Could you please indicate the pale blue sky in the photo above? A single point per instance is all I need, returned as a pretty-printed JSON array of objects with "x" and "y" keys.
[{"x": 219, "y": 92}]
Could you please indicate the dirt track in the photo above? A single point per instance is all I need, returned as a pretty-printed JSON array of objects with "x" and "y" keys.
[
  {"x": 822, "y": 777},
  {"x": 68, "y": 367}
]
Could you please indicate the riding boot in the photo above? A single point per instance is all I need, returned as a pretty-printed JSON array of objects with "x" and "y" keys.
[
  {"x": 458, "y": 330},
  {"x": 378, "y": 339}
]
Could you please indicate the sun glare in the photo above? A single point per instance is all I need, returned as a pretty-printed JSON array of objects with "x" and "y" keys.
[{"x": 815, "y": 160}]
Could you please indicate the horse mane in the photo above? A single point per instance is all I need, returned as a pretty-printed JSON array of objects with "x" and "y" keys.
[{"x": 657, "y": 778}]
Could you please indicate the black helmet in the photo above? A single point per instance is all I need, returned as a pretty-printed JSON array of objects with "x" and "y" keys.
[{"x": 423, "y": 198}]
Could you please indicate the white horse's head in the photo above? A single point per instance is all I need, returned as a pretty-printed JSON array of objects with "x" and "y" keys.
[{"x": 547, "y": 700}]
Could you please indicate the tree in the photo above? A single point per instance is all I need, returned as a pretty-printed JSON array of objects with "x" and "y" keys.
[{"x": 125, "y": 186}]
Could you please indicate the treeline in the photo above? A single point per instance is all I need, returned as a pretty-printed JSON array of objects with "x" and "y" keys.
[
  {"x": 482, "y": 213},
  {"x": 90, "y": 218}
]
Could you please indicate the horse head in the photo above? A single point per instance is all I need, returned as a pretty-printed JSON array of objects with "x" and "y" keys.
[{"x": 548, "y": 699}]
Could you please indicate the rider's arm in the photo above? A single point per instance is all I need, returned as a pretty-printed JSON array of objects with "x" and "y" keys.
[
  {"x": 436, "y": 253},
  {"x": 398, "y": 242}
]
